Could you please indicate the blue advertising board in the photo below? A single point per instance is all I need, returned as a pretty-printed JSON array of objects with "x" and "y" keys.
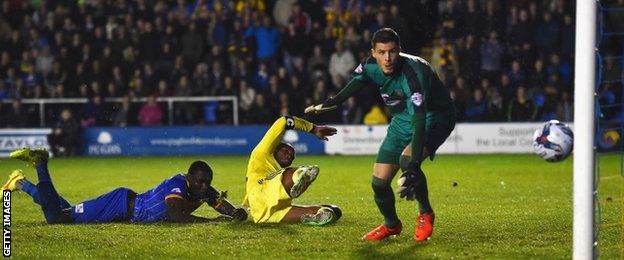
[{"x": 213, "y": 140}]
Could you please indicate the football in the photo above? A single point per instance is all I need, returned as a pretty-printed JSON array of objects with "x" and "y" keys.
[{"x": 553, "y": 142}]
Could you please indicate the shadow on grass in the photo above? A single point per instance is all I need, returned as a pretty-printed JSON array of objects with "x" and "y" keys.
[
  {"x": 246, "y": 227},
  {"x": 388, "y": 249}
]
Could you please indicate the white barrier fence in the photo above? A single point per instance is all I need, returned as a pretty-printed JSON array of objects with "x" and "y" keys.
[
  {"x": 42, "y": 102},
  {"x": 467, "y": 138}
]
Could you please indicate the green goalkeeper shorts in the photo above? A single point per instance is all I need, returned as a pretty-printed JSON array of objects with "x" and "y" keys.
[{"x": 437, "y": 129}]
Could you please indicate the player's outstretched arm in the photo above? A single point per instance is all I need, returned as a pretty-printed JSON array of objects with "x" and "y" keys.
[
  {"x": 322, "y": 132},
  {"x": 179, "y": 211},
  {"x": 223, "y": 206}
]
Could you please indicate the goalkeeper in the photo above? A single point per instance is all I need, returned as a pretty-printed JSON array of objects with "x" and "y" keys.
[
  {"x": 423, "y": 117},
  {"x": 272, "y": 184}
]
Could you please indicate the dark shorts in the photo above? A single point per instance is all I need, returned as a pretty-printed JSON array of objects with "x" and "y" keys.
[
  {"x": 110, "y": 207},
  {"x": 437, "y": 129}
]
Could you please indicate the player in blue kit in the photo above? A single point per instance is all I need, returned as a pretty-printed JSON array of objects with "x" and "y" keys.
[{"x": 173, "y": 200}]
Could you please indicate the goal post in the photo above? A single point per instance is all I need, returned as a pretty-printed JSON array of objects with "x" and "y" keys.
[{"x": 584, "y": 112}]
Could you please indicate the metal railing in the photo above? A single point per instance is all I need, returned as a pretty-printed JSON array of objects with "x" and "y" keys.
[{"x": 42, "y": 102}]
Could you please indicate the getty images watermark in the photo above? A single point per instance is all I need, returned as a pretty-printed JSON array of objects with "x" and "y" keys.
[{"x": 6, "y": 223}]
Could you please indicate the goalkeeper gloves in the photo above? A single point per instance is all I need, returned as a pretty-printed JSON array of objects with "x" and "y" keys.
[
  {"x": 409, "y": 181},
  {"x": 317, "y": 109}
]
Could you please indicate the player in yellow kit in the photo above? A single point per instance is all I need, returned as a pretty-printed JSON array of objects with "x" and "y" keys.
[{"x": 272, "y": 184}]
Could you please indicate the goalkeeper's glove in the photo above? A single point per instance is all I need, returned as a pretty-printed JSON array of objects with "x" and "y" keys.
[
  {"x": 409, "y": 181},
  {"x": 317, "y": 109}
]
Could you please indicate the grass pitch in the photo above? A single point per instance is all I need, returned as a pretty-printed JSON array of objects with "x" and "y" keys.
[{"x": 487, "y": 206}]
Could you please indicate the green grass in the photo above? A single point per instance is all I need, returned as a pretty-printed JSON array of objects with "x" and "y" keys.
[{"x": 503, "y": 206}]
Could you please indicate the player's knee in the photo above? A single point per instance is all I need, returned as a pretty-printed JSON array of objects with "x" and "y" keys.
[
  {"x": 380, "y": 185},
  {"x": 335, "y": 210}
]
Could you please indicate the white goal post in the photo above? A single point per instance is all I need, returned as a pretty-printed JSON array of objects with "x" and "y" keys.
[{"x": 584, "y": 111}]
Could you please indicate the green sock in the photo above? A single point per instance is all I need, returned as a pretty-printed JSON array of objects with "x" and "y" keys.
[
  {"x": 384, "y": 198},
  {"x": 422, "y": 195}
]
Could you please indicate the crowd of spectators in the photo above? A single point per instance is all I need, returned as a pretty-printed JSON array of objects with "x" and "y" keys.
[{"x": 502, "y": 60}]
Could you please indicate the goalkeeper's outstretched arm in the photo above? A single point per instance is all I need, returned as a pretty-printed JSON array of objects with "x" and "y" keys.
[{"x": 331, "y": 103}]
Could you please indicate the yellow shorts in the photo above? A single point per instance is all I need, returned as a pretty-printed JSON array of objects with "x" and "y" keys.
[{"x": 268, "y": 202}]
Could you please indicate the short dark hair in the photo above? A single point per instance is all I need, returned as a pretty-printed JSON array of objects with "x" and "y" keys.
[
  {"x": 198, "y": 167},
  {"x": 385, "y": 35}
]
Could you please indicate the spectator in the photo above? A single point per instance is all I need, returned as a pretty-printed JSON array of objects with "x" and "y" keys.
[
  {"x": 301, "y": 20},
  {"x": 546, "y": 36},
  {"x": 261, "y": 78},
  {"x": 521, "y": 108},
  {"x": 565, "y": 108},
  {"x": 352, "y": 39},
  {"x": 260, "y": 113},
  {"x": 216, "y": 76},
  {"x": 548, "y": 110},
  {"x": 202, "y": 79},
  {"x": 192, "y": 44},
  {"x": 162, "y": 90},
  {"x": 95, "y": 113},
  {"x": 495, "y": 106},
  {"x": 450, "y": 20},
  {"x": 538, "y": 77},
  {"x": 225, "y": 109},
  {"x": 184, "y": 112},
  {"x": 296, "y": 94},
  {"x": 282, "y": 11},
  {"x": 44, "y": 61},
  {"x": 491, "y": 19},
  {"x": 468, "y": 58},
  {"x": 17, "y": 116},
  {"x": 285, "y": 106},
  {"x": 351, "y": 113},
  {"x": 476, "y": 109},
  {"x": 125, "y": 114},
  {"x": 516, "y": 74},
  {"x": 491, "y": 57},
  {"x": 521, "y": 32},
  {"x": 506, "y": 90},
  {"x": 567, "y": 38},
  {"x": 560, "y": 68},
  {"x": 112, "y": 90},
  {"x": 65, "y": 137},
  {"x": 341, "y": 64},
  {"x": 267, "y": 38},
  {"x": 443, "y": 57},
  {"x": 150, "y": 113},
  {"x": 247, "y": 96},
  {"x": 471, "y": 22}
]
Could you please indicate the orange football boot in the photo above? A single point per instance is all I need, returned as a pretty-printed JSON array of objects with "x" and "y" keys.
[
  {"x": 382, "y": 232},
  {"x": 424, "y": 226}
]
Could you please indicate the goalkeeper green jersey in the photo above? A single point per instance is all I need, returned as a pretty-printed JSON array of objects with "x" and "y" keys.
[
  {"x": 414, "y": 87},
  {"x": 413, "y": 93}
]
